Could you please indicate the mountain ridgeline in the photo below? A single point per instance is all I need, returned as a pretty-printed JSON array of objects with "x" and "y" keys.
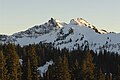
[{"x": 79, "y": 33}]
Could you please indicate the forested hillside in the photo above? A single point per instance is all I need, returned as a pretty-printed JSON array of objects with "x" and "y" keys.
[{"x": 22, "y": 63}]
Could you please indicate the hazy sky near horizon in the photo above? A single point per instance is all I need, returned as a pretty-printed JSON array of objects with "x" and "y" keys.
[{"x": 19, "y": 15}]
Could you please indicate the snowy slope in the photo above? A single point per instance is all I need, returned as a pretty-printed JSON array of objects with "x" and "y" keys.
[{"x": 78, "y": 33}]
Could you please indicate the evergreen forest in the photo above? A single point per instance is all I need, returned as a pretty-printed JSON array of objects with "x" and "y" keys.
[{"x": 68, "y": 65}]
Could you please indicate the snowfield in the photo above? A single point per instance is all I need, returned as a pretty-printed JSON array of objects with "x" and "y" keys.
[{"x": 77, "y": 33}]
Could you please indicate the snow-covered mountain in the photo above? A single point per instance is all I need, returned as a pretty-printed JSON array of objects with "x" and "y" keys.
[{"x": 77, "y": 33}]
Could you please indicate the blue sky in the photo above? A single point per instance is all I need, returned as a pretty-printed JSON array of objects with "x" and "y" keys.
[{"x": 18, "y": 15}]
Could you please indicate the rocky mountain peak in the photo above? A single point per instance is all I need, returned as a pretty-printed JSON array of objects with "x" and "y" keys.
[
  {"x": 78, "y": 33},
  {"x": 85, "y": 23}
]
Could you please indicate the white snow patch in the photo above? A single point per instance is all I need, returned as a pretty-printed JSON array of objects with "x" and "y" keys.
[
  {"x": 20, "y": 61},
  {"x": 43, "y": 69}
]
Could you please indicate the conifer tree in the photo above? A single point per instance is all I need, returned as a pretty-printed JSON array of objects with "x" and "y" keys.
[
  {"x": 118, "y": 73},
  {"x": 58, "y": 70},
  {"x": 12, "y": 62},
  {"x": 66, "y": 71},
  {"x": 3, "y": 70},
  {"x": 34, "y": 62},
  {"x": 29, "y": 76},
  {"x": 24, "y": 64},
  {"x": 101, "y": 76},
  {"x": 50, "y": 73},
  {"x": 20, "y": 72},
  {"x": 61, "y": 70},
  {"x": 88, "y": 67},
  {"x": 77, "y": 70},
  {"x": 26, "y": 67}
]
